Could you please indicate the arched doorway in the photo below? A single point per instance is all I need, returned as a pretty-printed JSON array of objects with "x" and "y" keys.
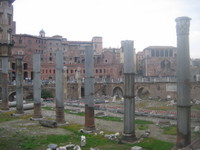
[
  {"x": 82, "y": 92},
  {"x": 143, "y": 93},
  {"x": 12, "y": 97},
  {"x": 117, "y": 91}
]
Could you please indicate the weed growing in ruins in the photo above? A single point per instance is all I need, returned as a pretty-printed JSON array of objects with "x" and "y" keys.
[
  {"x": 142, "y": 127},
  {"x": 170, "y": 130}
]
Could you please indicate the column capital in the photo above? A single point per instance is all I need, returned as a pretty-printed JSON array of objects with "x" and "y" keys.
[{"x": 182, "y": 25}]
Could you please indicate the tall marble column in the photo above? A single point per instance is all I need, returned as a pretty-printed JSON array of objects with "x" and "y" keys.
[
  {"x": 60, "y": 117},
  {"x": 183, "y": 83},
  {"x": 19, "y": 85},
  {"x": 37, "y": 86},
  {"x": 129, "y": 97},
  {"x": 89, "y": 89}
]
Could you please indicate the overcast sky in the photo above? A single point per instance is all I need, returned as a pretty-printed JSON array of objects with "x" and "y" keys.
[{"x": 147, "y": 22}]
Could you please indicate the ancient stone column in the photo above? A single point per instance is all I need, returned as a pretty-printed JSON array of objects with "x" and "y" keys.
[
  {"x": 78, "y": 79},
  {"x": 89, "y": 89},
  {"x": 37, "y": 86},
  {"x": 19, "y": 85},
  {"x": 65, "y": 82},
  {"x": 4, "y": 83},
  {"x": 183, "y": 83},
  {"x": 129, "y": 100},
  {"x": 60, "y": 118}
]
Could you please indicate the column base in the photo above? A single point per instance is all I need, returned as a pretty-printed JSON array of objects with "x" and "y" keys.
[
  {"x": 20, "y": 112},
  {"x": 89, "y": 118},
  {"x": 37, "y": 111},
  {"x": 128, "y": 138},
  {"x": 4, "y": 105},
  {"x": 60, "y": 117}
]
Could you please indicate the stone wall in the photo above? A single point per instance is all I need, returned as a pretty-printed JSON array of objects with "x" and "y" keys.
[{"x": 154, "y": 90}]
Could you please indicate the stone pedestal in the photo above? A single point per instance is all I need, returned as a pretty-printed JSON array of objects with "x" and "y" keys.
[{"x": 89, "y": 118}]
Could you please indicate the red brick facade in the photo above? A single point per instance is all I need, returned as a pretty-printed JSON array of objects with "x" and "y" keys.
[
  {"x": 157, "y": 61},
  {"x": 107, "y": 61}
]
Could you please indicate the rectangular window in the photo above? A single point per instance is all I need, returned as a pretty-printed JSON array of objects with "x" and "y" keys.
[
  {"x": 170, "y": 53},
  {"x": 9, "y": 37},
  {"x": 162, "y": 53},
  {"x": 166, "y": 53},
  {"x": 152, "y": 53},
  {"x": 1, "y": 18},
  {"x": 20, "y": 41},
  {"x": 1, "y": 35},
  {"x": 157, "y": 53},
  {"x": 9, "y": 19}
]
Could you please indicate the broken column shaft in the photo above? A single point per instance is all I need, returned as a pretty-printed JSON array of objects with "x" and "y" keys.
[
  {"x": 19, "y": 85},
  {"x": 60, "y": 118},
  {"x": 4, "y": 83},
  {"x": 129, "y": 100},
  {"x": 36, "y": 86},
  {"x": 89, "y": 89},
  {"x": 183, "y": 83}
]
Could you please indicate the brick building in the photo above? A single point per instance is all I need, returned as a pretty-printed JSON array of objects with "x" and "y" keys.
[
  {"x": 157, "y": 61},
  {"x": 107, "y": 64}
]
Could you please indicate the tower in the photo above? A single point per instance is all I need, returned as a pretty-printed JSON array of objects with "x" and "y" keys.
[
  {"x": 6, "y": 43},
  {"x": 42, "y": 33},
  {"x": 97, "y": 44}
]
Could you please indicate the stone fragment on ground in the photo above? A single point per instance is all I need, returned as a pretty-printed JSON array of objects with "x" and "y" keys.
[
  {"x": 48, "y": 123},
  {"x": 136, "y": 148}
]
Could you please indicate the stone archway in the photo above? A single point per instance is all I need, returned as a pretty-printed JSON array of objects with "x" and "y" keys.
[
  {"x": 117, "y": 91},
  {"x": 143, "y": 93},
  {"x": 12, "y": 96}
]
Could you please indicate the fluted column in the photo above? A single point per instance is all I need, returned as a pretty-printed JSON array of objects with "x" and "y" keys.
[{"x": 183, "y": 83}]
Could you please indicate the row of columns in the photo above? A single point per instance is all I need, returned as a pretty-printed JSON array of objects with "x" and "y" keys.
[{"x": 183, "y": 87}]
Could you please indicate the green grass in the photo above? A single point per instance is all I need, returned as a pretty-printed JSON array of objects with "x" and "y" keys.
[
  {"x": 7, "y": 116},
  {"x": 143, "y": 122},
  {"x": 23, "y": 141},
  {"x": 110, "y": 118},
  {"x": 170, "y": 130},
  {"x": 154, "y": 144},
  {"x": 142, "y": 127},
  {"x": 47, "y": 108}
]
